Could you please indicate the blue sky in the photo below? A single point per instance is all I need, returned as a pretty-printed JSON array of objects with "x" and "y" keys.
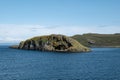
[{"x": 22, "y": 19}]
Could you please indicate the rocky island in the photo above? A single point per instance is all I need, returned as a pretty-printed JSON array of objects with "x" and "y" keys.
[{"x": 57, "y": 43}]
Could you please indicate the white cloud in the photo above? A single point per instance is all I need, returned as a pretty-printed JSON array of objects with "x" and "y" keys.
[{"x": 16, "y": 33}]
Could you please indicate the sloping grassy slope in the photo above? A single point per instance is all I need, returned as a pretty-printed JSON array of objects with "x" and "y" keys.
[{"x": 99, "y": 40}]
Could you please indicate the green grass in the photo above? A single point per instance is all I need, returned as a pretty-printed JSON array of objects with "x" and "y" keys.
[{"x": 101, "y": 40}]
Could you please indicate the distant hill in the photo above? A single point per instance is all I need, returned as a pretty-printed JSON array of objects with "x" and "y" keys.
[{"x": 99, "y": 40}]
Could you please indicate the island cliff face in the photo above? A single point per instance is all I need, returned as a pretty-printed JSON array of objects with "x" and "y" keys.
[{"x": 58, "y": 43}]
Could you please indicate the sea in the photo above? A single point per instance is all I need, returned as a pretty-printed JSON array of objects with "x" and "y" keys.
[{"x": 99, "y": 64}]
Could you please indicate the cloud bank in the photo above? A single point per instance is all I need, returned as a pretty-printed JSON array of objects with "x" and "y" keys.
[{"x": 10, "y": 33}]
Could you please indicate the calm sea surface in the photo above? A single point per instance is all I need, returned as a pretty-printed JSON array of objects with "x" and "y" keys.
[{"x": 100, "y": 64}]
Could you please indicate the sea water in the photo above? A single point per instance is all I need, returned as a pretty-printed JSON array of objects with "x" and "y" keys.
[{"x": 100, "y": 64}]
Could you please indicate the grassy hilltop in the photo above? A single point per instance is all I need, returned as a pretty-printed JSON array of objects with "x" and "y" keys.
[{"x": 99, "y": 40}]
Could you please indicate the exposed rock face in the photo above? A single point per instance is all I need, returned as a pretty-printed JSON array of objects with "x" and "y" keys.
[{"x": 53, "y": 42}]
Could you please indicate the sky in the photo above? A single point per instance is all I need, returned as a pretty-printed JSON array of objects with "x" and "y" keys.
[{"x": 23, "y": 19}]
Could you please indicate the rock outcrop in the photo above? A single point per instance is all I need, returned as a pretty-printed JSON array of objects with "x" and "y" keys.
[{"x": 59, "y": 43}]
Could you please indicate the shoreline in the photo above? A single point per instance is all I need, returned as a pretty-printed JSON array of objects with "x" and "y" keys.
[{"x": 16, "y": 46}]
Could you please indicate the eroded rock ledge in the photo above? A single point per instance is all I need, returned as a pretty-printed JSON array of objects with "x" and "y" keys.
[{"x": 52, "y": 42}]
